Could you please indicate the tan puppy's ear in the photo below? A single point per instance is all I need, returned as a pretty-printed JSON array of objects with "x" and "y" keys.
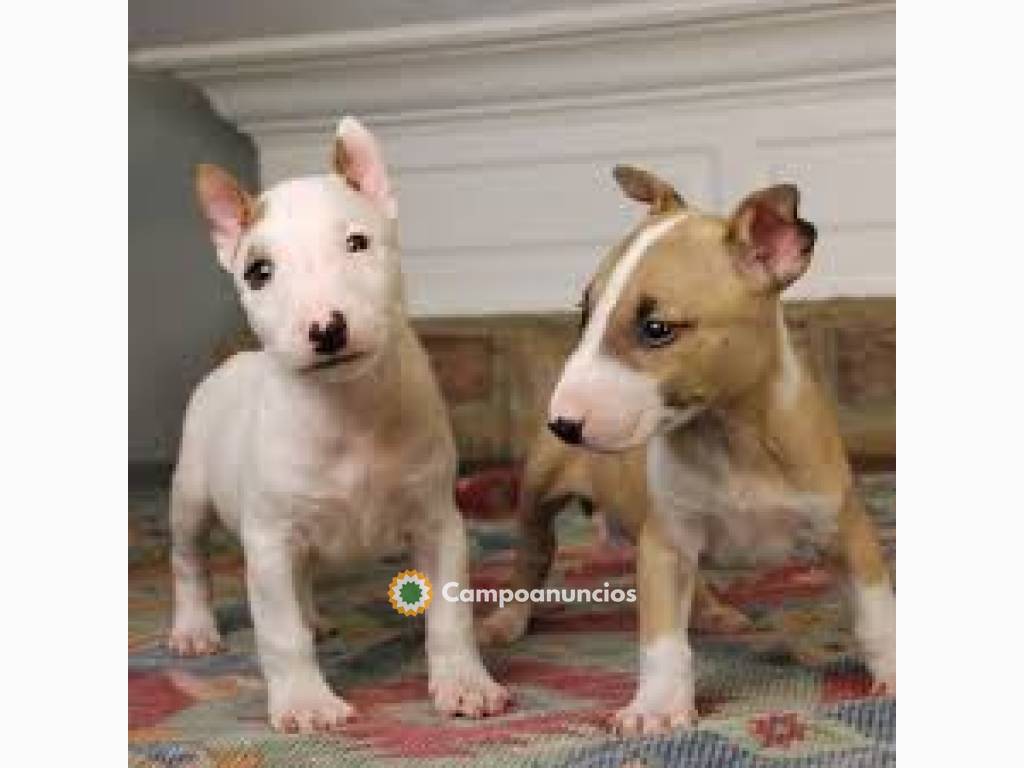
[
  {"x": 775, "y": 243},
  {"x": 227, "y": 208},
  {"x": 645, "y": 187},
  {"x": 358, "y": 159}
]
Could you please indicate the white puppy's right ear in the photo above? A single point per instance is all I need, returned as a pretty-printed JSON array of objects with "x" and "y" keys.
[
  {"x": 227, "y": 208},
  {"x": 358, "y": 160}
]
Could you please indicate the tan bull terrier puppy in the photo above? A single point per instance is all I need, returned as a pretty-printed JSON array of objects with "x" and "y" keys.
[
  {"x": 329, "y": 444},
  {"x": 684, "y": 349}
]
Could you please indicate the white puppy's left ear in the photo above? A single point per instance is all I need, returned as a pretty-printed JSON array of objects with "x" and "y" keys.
[
  {"x": 358, "y": 160},
  {"x": 227, "y": 208}
]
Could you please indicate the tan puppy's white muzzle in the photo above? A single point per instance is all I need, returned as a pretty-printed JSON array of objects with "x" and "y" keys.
[{"x": 603, "y": 405}]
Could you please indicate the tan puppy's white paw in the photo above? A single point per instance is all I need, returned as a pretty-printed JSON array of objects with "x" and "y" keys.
[
  {"x": 883, "y": 670},
  {"x": 664, "y": 695},
  {"x": 504, "y": 626},
  {"x": 875, "y": 627},
  {"x": 311, "y": 712},
  {"x": 474, "y": 695},
  {"x": 639, "y": 720},
  {"x": 195, "y": 639},
  {"x": 884, "y": 687},
  {"x": 881, "y": 659}
]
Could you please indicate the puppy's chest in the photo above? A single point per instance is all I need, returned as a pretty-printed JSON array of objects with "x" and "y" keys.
[
  {"x": 738, "y": 510},
  {"x": 351, "y": 506}
]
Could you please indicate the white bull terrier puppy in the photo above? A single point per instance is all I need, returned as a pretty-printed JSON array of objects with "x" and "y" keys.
[{"x": 330, "y": 443}]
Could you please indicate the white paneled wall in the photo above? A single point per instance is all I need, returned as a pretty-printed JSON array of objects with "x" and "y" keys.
[{"x": 502, "y": 133}]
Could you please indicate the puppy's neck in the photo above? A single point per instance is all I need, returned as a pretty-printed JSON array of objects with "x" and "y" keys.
[{"x": 774, "y": 397}]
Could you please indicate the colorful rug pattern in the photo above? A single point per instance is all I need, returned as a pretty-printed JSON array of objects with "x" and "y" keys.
[{"x": 790, "y": 693}]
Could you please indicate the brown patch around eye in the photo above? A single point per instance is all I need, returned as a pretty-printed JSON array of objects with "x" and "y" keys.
[{"x": 645, "y": 307}]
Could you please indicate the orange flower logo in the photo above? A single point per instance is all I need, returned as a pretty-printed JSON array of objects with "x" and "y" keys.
[{"x": 410, "y": 593}]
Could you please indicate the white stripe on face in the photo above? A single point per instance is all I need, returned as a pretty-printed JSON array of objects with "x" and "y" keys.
[
  {"x": 602, "y": 312},
  {"x": 621, "y": 406}
]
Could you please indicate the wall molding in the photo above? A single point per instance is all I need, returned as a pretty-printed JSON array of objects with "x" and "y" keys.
[
  {"x": 522, "y": 29},
  {"x": 559, "y": 59},
  {"x": 490, "y": 124}
]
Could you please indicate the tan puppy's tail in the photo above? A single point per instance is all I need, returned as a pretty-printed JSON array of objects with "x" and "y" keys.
[{"x": 712, "y": 616}]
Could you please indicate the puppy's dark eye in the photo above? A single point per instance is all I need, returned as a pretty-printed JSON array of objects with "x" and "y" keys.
[
  {"x": 357, "y": 242},
  {"x": 258, "y": 273},
  {"x": 653, "y": 332},
  {"x": 656, "y": 333}
]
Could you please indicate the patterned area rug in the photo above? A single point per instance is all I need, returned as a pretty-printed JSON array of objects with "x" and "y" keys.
[{"x": 789, "y": 693}]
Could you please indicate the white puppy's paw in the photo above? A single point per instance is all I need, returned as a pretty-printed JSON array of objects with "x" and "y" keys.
[
  {"x": 469, "y": 692},
  {"x": 317, "y": 710},
  {"x": 644, "y": 719},
  {"x": 195, "y": 638},
  {"x": 504, "y": 626}
]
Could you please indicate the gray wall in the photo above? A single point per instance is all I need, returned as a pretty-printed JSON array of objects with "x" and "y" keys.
[{"x": 181, "y": 305}]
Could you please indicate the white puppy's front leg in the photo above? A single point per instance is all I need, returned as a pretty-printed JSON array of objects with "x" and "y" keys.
[
  {"x": 458, "y": 680},
  {"x": 299, "y": 698},
  {"x": 194, "y": 629},
  {"x": 315, "y": 620}
]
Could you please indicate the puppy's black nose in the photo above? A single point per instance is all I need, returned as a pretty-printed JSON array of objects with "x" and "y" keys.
[
  {"x": 329, "y": 339},
  {"x": 567, "y": 430}
]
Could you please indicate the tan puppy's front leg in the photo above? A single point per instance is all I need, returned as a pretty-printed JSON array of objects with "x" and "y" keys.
[
  {"x": 534, "y": 553},
  {"x": 874, "y": 604},
  {"x": 458, "y": 680},
  {"x": 664, "y": 697},
  {"x": 299, "y": 698}
]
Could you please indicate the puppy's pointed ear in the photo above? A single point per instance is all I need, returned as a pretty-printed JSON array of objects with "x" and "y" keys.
[
  {"x": 227, "y": 208},
  {"x": 645, "y": 187},
  {"x": 775, "y": 243},
  {"x": 358, "y": 160}
]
